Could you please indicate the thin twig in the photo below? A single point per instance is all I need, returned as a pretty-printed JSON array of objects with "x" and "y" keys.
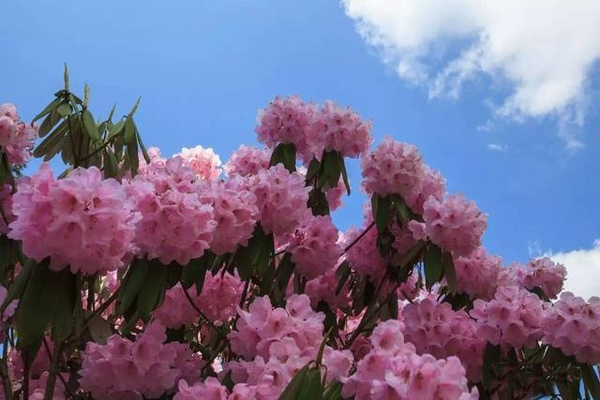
[
  {"x": 195, "y": 307},
  {"x": 362, "y": 234}
]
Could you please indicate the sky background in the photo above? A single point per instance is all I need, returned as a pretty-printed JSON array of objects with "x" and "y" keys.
[{"x": 514, "y": 131}]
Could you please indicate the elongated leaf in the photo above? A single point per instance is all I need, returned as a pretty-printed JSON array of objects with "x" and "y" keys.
[
  {"x": 64, "y": 316},
  {"x": 590, "y": 378},
  {"x": 38, "y": 304},
  {"x": 342, "y": 273},
  {"x": 449, "y": 272},
  {"x": 344, "y": 174},
  {"x": 132, "y": 285},
  {"x": 194, "y": 272},
  {"x": 285, "y": 270},
  {"x": 63, "y": 109},
  {"x": 433, "y": 265},
  {"x": 52, "y": 141},
  {"x": 284, "y": 153},
  {"x": 18, "y": 287},
  {"x": 142, "y": 147},
  {"x": 313, "y": 388},
  {"x": 116, "y": 129},
  {"x": 152, "y": 290},
  {"x": 292, "y": 389},
  {"x": 109, "y": 163},
  {"x": 333, "y": 391},
  {"x": 48, "y": 124},
  {"x": 313, "y": 169},
  {"x": 129, "y": 131},
  {"x": 48, "y": 109},
  {"x": 132, "y": 155},
  {"x": 330, "y": 171},
  {"x": 90, "y": 125},
  {"x": 100, "y": 329}
]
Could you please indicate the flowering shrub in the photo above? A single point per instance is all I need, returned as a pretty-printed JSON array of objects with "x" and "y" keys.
[{"x": 134, "y": 275}]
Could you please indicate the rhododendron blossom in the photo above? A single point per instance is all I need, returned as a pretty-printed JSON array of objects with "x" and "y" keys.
[
  {"x": 541, "y": 273},
  {"x": 16, "y": 137},
  {"x": 147, "y": 367},
  {"x": 82, "y": 221},
  {"x": 205, "y": 162},
  {"x": 175, "y": 224},
  {"x": 247, "y": 160}
]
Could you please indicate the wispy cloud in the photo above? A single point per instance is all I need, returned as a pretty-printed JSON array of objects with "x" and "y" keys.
[
  {"x": 500, "y": 147},
  {"x": 543, "y": 49}
]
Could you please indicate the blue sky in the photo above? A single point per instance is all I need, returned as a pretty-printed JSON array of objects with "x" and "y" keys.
[{"x": 204, "y": 68}]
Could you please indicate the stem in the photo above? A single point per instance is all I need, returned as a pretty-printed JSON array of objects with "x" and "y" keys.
[
  {"x": 195, "y": 307},
  {"x": 367, "y": 317},
  {"x": 62, "y": 379},
  {"x": 26, "y": 367},
  {"x": 6, "y": 384},
  {"x": 244, "y": 293},
  {"x": 362, "y": 234},
  {"x": 54, "y": 364}
]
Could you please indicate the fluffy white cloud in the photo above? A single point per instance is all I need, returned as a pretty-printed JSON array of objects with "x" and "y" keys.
[
  {"x": 583, "y": 270},
  {"x": 543, "y": 49}
]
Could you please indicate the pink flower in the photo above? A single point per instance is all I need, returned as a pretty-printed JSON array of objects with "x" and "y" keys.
[
  {"x": 281, "y": 198},
  {"x": 210, "y": 389},
  {"x": 436, "y": 329},
  {"x": 454, "y": 224},
  {"x": 175, "y": 225},
  {"x": 339, "y": 129},
  {"x": 247, "y": 160},
  {"x": 147, "y": 367},
  {"x": 314, "y": 246},
  {"x": 235, "y": 212},
  {"x": 205, "y": 162},
  {"x": 363, "y": 256},
  {"x": 573, "y": 325},
  {"x": 542, "y": 273},
  {"x": 478, "y": 274},
  {"x": 287, "y": 120},
  {"x": 393, "y": 168},
  {"x": 81, "y": 221},
  {"x": 16, "y": 137},
  {"x": 513, "y": 318}
]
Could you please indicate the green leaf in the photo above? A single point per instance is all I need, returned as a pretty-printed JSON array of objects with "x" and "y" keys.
[
  {"x": 129, "y": 131},
  {"x": 330, "y": 171},
  {"x": 134, "y": 108},
  {"x": 15, "y": 291},
  {"x": 293, "y": 388},
  {"x": 195, "y": 271},
  {"x": 142, "y": 147},
  {"x": 89, "y": 125},
  {"x": 433, "y": 265},
  {"x": 590, "y": 378},
  {"x": 64, "y": 109},
  {"x": 344, "y": 174},
  {"x": 49, "y": 108},
  {"x": 132, "y": 155},
  {"x": 449, "y": 272},
  {"x": 152, "y": 290},
  {"x": 48, "y": 124},
  {"x": 491, "y": 357},
  {"x": 38, "y": 303},
  {"x": 51, "y": 145},
  {"x": 381, "y": 211},
  {"x": 333, "y": 391},
  {"x": 284, "y": 271},
  {"x": 313, "y": 169},
  {"x": 284, "y": 153},
  {"x": 402, "y": 210},
  {"x": 129, "y": 290},
  {"x": 62, "y": 324},
  {"x": 342, "y": 273},
  {"x": 100, "y": 329},
  {"x": 313, "y": 388},
  {"x": 109, "y": 163},
  {"x": 116, "y": 129}
]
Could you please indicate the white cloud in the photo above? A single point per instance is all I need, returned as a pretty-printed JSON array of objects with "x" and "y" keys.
[
  {"x": 583, "y": 270},
  {"x": 500, "y": 147},
  {"x": 543, "y": 49}
]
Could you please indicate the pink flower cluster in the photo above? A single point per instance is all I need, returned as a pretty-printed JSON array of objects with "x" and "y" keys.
[
  {"x": 573, "y": 326},
  {"x": 436, "y": 329},
  {"x": 323, "y": 288},
  {"x": 235, "y": 213},
  {"x": 175, "y": 225},
  {"x": 38, "y": 374},
  {"x": 82, "y": 221},
  {"x": 287, "y": 120},
  {"x": 454, "y": 224},
  {"x": 282, "y": 199},
  {"x": 513, "y": 318},
  {"x": 247, "y": 160},
  {"x": 478, "y": 274},
  {"x": 204, "y": 162},
  {"x": 315, "y": 247},
  {"x": 313, "y": 130},
  {"x": 221, "y": 294},
  {"x": 392, "y": 168},
  {"x": 363, "y": 256},
  {"x": 542, "y": 273},
  {"x": 146, "y": 368},
  {"x": 340, "y": 129},
  {"x": 393, "y": 370},
  {"x": 275, "y": 344},
  {"x": 16, "y": 137}
]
